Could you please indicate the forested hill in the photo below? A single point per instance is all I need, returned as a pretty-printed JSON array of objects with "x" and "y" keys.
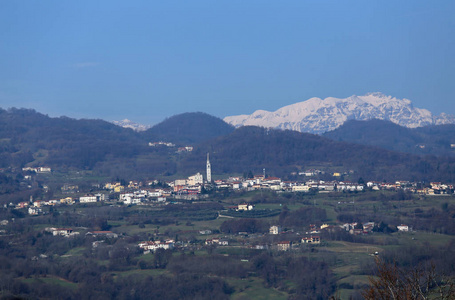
[
  {"x": 189, "y": 128},
  {"x": 28, "y": 136},
  {"x": 281, "y": 152},
  {"x": 435, "y": 140}
]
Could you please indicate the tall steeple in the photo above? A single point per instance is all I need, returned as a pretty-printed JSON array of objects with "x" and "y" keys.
[{"x": 209, "y": 170}]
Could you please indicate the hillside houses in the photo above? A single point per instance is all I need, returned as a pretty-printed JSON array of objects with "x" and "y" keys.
[
  {"x": 311, "y": 240},
  {"x": 148, "y": 246},
  {"x": 217, "y": 241},
  {"x": 65, "y": 232}
]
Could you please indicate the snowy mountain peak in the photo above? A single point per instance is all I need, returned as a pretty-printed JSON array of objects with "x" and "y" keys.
[
  {"x": 317, "y": 115},
  {"x": 125, "y": 123}
]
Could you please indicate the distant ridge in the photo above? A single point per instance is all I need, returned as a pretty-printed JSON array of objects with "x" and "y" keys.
[
  {"x": 321, "y": 115},
  {"x": 434, "y": 140}
]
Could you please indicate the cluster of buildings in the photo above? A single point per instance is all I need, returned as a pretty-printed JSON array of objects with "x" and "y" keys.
[
  {"x": 35, "y": 207},
  {"x": 167, "y": 144},
  {"x": 37, "y": 169},
  {"x": 192, "y": 187},
  {"x": 152, "y": 246},
  {"x": 66, "y": 232}
]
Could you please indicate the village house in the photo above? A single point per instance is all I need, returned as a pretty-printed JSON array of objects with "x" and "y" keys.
[
  {"x": 87, "y": 199},
  {"x": 368, "y": 227},
  {"x": 133, "y": 198},
  {"x": 259, "y": 247},
  {"x": 44, "y": 170},
  {"x": 161, "y": 143},
  {"x": 67, "y": 200},
  {"x": 52, "y": 202},
  {"x": 311, "y": 240},
  {"x": 403, "y": 228},
  {"x": 34, "y": 211},
  {"x": 155, "y": 193},
  {"x": 348, "y": 226},
  {"x": 119, "y": 188},
  {"x": 244, "y": 207},
  {"x": 185, "y": 149},
  {"x": 38, "y": 170},
  {"x": 134, "y": 185},
  {"x": 301, "y": 188},
  {"x": 284, "y": 246},
  {"x": 22, "y": 204},
  {"x": 217, "y": 241},
  {"x": 236, "y": 185},
  {"x": 104, "y": 233},
  {"x": 59, "y": 231},
  {"x": 275, "y": 229},
  {"x": 272, "y": 180},
  {"x": 323, "y": 226},
  {"x": 349, "y": 186},
  {"x": 154, "y": 245},
  {"x": 206, "y": 231},
  {"x": 92, "y": 198},
  {"x": 38, "y": 203}
]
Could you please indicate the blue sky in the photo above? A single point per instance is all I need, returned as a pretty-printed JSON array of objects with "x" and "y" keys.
[{"x": 148, "y": 60}]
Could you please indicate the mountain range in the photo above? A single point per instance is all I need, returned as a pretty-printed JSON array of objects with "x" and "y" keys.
[{"x": 322, "y": 115}]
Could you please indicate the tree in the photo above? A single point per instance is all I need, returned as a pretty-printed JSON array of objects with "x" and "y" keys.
[{"x": 393, "y": 282}]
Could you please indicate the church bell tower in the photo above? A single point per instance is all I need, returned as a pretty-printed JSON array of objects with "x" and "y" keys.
[{"x": 209, "y": 170}]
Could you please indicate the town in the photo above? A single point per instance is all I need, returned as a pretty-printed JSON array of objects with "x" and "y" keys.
[{"x": 196, "y": 189}]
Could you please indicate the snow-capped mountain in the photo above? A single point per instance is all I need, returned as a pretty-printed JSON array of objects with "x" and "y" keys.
[
  {"x": 321, "y": 115},
  {"x": 130, "y": 124}
]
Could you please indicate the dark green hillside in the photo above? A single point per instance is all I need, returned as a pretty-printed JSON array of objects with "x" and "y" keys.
[
  {"x": 189, "y": 128},
  {"x": 280, "y": 152},
  {"x": 433, "y": 140},
  {"x": 30, "y": 137}
]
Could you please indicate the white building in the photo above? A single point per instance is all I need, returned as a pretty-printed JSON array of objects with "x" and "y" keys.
[
  {"x": 403, "y": 228},
  {"x": 300, "y": 188},
  {"x": 245, "y": 207},
  {"x": 195, "y": 179},
  {"x": 34, "y": 211},
  {"x": 275, "y": 229},
  {"x": 87, "y": 199},
  {"x": 92, "y": 198},
  {"x": 154, "y": 245}
]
